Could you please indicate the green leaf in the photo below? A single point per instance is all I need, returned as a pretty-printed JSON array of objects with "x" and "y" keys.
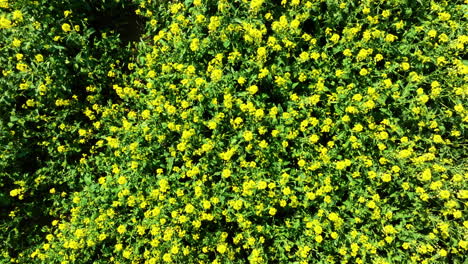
[{"x": 170, "y": 163}]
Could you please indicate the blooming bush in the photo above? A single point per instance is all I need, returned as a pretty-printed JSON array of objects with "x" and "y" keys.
[{"x": 235, "y": 132}]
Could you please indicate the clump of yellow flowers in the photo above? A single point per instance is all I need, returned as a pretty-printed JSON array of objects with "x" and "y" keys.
[{"x": 251, "y": 131}]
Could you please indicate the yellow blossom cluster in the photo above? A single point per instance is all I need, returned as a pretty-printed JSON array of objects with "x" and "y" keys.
[{"x": 248, "y": 131}]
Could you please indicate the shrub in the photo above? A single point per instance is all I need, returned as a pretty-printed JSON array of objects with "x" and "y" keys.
[{"x": 242, "y": 131}]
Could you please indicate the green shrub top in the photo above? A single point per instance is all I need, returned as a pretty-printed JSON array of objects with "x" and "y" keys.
[{"x": 239, "y": 132}]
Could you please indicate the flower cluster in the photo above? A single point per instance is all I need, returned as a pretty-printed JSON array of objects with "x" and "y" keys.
[{"x": 261, "y": 131}]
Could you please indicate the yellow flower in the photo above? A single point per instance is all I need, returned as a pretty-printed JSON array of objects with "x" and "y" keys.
[
  {"x": 443, "y": 38},
  {"x": 389, "y": 229},
  {"x": 386, "y": 13},
  {"x": 314, "y": 139},
  {"x": 17, "y": 15},
  {"x": 221, "y": 248},
  {"x": 432, "y": 33},
  {"x": 126, "y": 254},
  {"x": 438, "y": 139},
  {"x": 118, "y": 247},
  {"x": 167, "y": 257},
  {"x": 216, "y": 75},
  {"x": 261, "y": 53},
  {"x": 241, "y": 80},
  {"x": 444, "y": 194},
  {"x": 463, "y": 244},
  {"x": 189, "y": 208},
  {"x": 183, "y": 146},
  {"x": 426, "y": 175},
  {"x": 444, "y": 16},
  {"x": 66, "y": 27},
  {"x": 263, "y": 144},
  {"x": 390, "y": 38},
  {"x": 333, "y": 217},
  {"x": 318, "y": 229},
  {"x": 263, "y": 73},
  {"x": 358, "y": 128},
  {"x": 214, "y": 23},
  {"x": 304, "y": 56},
  {"x": 22, "y": 67},
  {"x": 248, "y": 135},
  {"x": 175, "y": 250},
  {"x": 335, "y": 38},
  {"x": 262, "y": 185},
  {"x": 200, "y": 18},
  {"x": 226, "y": 173},
  {"x": 319, "y": 238},
  {"x": 102, "y": 237},
  {"x": 195, "y": 44},
  {"x": 5, "y": 23},
  {"x": 39, "y": 58},
  {"x": 237, "y": 204},
  {"x": 459, "y": 108},
  {"x": 405, "y": 66},
  {"x": 272, "y": 211},
  {"x": 206, "y": 204},
  {"x": 252, "y": 89},
  {"x": 121, "y": 229},
  {"x": 339, "y": 73},
  {"x": 441, "y": 60},
  {"x": 347, "y": 53},
  {"x": 386, "y": 177},
  {"x": 334, "y": 235},
  {"x": 122, "y": 180},
  {"x": 16, "y": 42},
  {"x": 14, "y": 192},
  {"x": 315, "y": 55},
  {"x": 61, "y": 149},
  {"x": 79, "y": 232},
  {"x": 301, "y": 163},
  {"x": 227, "y": 155},
  {"x": 3, "y": 3},
  {"x": 19, "y": 56},
  {"x": 76, "y": 199}
]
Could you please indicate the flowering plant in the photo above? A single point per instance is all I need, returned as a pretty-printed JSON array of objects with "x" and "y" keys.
[{"x": 241, "y": 132}]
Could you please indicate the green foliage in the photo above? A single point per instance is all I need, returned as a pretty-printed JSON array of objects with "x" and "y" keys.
[{"x": 233, "y": 131}]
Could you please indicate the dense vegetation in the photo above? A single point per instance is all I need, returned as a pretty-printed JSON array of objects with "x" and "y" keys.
[{"x": 320, "y": 131}]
